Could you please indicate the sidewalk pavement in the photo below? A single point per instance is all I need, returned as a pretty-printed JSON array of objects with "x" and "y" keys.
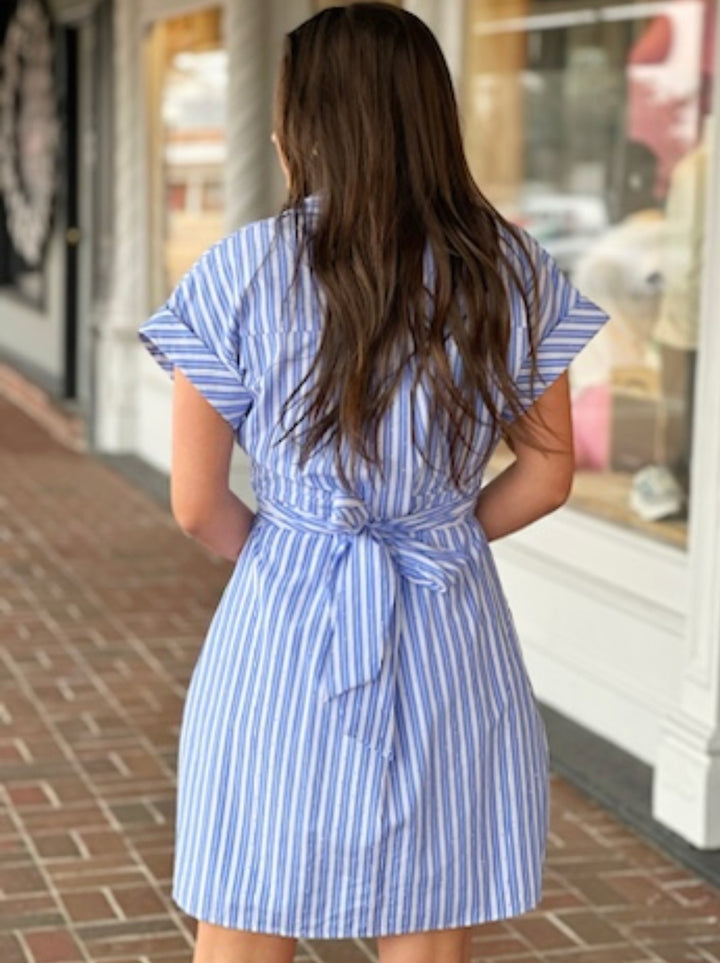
[{"x": 103, "y": 606}]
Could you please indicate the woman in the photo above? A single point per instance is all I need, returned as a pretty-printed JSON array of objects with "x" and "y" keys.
[{"x": 361, "y": 754}]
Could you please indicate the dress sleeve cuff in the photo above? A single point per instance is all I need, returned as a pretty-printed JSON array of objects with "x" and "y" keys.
[{"x": 173, "y": 344}]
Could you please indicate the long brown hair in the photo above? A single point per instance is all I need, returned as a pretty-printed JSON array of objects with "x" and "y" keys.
[{"x": 366, "y": 117}]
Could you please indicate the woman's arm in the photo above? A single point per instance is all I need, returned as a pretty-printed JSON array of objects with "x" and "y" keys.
[
  {"x": 202, "y": 503},
  {"x": 538, "y": 481}
]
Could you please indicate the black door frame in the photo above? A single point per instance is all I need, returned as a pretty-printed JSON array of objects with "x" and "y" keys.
[{"x": 71, "y": 166}]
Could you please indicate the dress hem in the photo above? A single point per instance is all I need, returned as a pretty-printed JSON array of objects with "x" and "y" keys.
[{"x": 323, "y": 933}]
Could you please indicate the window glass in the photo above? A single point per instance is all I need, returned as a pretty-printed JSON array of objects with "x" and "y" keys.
[
  {"x": 589, "y": 124},
  {"x": 187, "y": 92}
]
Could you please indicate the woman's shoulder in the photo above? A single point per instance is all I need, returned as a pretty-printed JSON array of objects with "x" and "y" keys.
[
  {"x": 229, "y": 267},
  {"x": 530, "y": 269},
  {"x": 524, "y": 252},
  {"x": 270, "y": 245},
  {"x": 285, "y": 226}
]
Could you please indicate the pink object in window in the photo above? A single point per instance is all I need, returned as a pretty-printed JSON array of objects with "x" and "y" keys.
[{"x": 591, "y": 428}]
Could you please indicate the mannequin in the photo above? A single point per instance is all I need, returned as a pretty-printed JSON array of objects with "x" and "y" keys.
[{"x": 677, "y": 328}]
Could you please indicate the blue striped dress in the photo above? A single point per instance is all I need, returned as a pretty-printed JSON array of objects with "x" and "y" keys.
[{"x": 361, "y": 753}]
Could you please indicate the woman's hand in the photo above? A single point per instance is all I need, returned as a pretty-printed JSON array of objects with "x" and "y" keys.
[{"x": 202, "y": 445}]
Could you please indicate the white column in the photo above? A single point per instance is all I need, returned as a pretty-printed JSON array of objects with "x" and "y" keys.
[
  {"x": 286, "y": 15},
  {"x": 686, "y": 792},
  {"x": 116, "y": 319},
  {"x": 253, "y": 35},
  {"x": 446, "y": 19},
  {"x": 251, "y": 68},
  {"x": 251, "y": 74}
]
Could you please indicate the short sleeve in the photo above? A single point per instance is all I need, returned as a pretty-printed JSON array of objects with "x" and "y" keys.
[
  {"x": 566, "y": 322},
  {"x": 196, "y": 331}
]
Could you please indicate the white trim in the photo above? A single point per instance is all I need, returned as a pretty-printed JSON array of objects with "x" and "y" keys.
[
  {"x": 611, "y": 677},
  {"x": 570, "y": 18},
  {"x": 602, "y": 702},
  {"x": 604, "y": 560},
  {"x": 119, "y": 314},
  {"x": 87, "y": 199}
]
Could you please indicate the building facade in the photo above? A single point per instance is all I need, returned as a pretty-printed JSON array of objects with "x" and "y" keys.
[{"x": 590, "y": 122}]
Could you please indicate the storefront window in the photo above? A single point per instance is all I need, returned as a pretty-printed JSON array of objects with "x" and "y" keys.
[
  {"x": 589, "y": 124},
  {"x": 187, "y": 91}
]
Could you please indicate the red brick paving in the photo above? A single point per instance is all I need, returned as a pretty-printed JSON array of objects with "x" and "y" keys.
[{"x": 103, "y": 605}]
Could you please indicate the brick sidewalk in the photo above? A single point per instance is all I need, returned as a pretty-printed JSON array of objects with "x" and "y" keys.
[{"x": 103, "y": 605}]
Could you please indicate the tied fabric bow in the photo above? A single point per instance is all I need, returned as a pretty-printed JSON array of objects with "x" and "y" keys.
[{"x": 371, "y": 556}]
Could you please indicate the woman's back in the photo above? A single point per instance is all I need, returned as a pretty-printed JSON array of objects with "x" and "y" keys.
[
  {"x": 255, "y": 301},
  {"x": 361, "y": 754}
]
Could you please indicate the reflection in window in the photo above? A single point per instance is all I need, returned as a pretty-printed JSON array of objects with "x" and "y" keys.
[
  {"x": 187, "y": 87},
  {"x": 588, "y": 124}
]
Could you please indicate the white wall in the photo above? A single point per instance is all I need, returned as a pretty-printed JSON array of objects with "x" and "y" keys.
[
  {"x": 154, "y": 400},
  {"x": 601, "y": 614},
  {"x": 33, "y": 335}
]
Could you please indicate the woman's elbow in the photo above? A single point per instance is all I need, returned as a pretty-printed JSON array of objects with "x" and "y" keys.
[
  {"x": 559, "y": 488},
  {"x": 190, "y": 525},
  {"x": 191, "y": 515}
]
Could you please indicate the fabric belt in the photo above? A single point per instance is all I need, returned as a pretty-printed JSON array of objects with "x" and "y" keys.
[{"x": 371, "y": 556}]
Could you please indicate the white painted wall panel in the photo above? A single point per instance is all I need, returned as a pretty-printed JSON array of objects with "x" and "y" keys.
[
  {"x": 36, "y": 335},
  {"x": 603, "y": 648},
  {"x": 153, "y": 427},
  {"x": 154, "y": 400}
]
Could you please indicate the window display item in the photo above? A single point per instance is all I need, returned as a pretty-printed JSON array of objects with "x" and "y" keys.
[
  {"x": 635, "y": 413},
  {"x": 30, "y": 130},
  {"x": 683, "y": 249},
  {"x": 591, "y": 427},
  {"x": 656, "y": 494}
]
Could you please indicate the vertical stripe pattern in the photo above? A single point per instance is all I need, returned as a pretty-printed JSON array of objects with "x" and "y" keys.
[{"x": 361, "y": 753}]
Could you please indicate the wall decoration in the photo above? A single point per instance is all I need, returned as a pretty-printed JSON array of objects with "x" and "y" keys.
[{"x": 29, "y": 139}]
